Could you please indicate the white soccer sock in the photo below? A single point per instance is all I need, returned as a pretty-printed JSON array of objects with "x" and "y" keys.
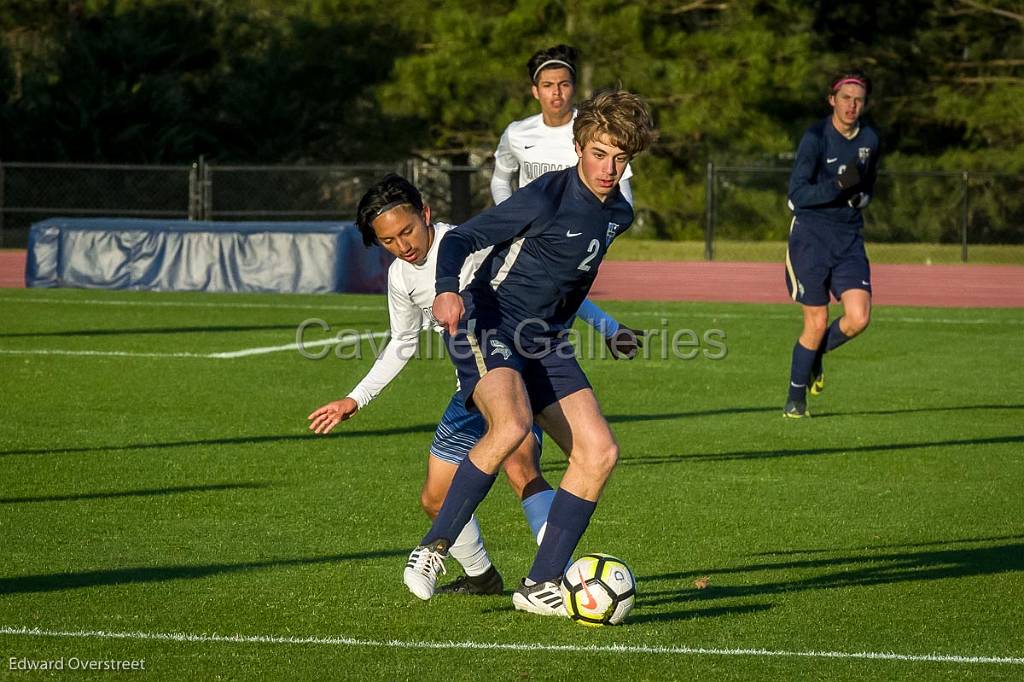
[
  {"x": 468, "y": 549},
  {"x": 536, "y": 508}
]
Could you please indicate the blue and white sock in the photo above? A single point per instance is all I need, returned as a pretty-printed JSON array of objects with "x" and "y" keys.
[
  {"x": 567, "y": 521},
  {"x": 536, "y": 508}
]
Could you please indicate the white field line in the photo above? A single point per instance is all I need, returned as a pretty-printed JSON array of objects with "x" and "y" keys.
[
  {"x": 192, "y": 304},
  {"x": 501, "y": 646},
  {"x": 305, "y": 306},
  {"x": 227, "y": 355}
]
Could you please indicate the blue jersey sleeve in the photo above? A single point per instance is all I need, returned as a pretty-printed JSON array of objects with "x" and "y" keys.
[
  {"x": 804, "y": 192},
  {"x": 498, "y": 224}
]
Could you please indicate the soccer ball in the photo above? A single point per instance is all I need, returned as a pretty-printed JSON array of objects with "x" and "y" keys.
[{"x": 598, "y": 589}]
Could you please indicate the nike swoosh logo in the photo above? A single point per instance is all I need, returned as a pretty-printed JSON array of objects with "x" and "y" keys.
[
  {"x": 591, "y": 603},
  {"x": 832, "y": 160},
  {"x": 867, "y": 284},
  {"x": 529, "y": 146},
  {"x": 570, "y": 233}
]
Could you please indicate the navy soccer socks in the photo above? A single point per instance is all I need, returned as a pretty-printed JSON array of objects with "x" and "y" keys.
[
  {"x": 833, "y": 338},
  {"x": 469, "y": 487},
  {"x": 567, "y": 520},
  {"x": 800, "y": 371}
]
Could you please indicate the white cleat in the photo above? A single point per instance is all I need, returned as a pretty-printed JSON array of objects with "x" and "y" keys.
[
  {"x": 425, "y": 562},
  {"x": 543, "y": 598}
]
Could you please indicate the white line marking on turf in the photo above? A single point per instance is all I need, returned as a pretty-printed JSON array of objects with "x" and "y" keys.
[
  {"x": 500, "y": 646},
  {"x": 193, "y": 304},
  {"x": 227, "y": 355},
  {"x": 306, "y": 306}
]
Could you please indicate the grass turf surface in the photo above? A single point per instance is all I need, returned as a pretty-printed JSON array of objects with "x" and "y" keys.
[
  {"x": 775, "y": 252},
  {"x": 183, "y": 494}
]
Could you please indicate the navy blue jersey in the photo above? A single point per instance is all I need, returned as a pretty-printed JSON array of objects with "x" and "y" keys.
[
  {"x": 549, "y": 239},
  {"x": 813, "y": 193}
]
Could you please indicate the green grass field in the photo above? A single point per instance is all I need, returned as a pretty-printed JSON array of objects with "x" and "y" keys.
[
  {"x": 153, "y": 493},
  {"x": 775, "y": 251}
]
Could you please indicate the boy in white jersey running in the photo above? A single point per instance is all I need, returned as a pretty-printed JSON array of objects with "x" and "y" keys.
[
  {"x": 542, "y": 143},
  {"x": 392, "y": 214}
]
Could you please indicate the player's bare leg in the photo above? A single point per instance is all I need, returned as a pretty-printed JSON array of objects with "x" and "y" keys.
[
  {"x": 501, "y": 397},
  {"x": 577, "y": 425},
  {"x": 855, "y": 319},
  {"x": 481, "y": 577},
  {"x": 805, "y": 354}
]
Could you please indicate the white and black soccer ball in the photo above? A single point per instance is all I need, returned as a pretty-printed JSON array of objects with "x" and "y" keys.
[{"x": 598, "y": 589}]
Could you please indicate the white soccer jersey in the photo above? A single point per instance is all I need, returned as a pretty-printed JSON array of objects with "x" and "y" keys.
[
  {"x": 410, "y": 297},
  {"x": 534, "y": 148}
]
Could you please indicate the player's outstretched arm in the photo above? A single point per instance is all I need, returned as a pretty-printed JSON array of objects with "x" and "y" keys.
[
  {"x": 326, "y": 417},
  {"x": 623, "y": 342}
]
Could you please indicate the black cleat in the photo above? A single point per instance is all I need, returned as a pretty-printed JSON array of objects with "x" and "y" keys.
[
  {"x": 488, "y": 582},
  {"x": 795, "y": 410}
]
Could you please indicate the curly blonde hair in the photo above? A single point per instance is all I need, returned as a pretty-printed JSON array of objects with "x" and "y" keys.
[{"x": 620, "y": 115}]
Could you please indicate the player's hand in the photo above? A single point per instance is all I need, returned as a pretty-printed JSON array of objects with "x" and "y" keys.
[
  {"x": 849, "y": 175},
  {"x": 447, "y": 310},
  {"x": 858, "y": 200},
  {"x": 325, "y": 418},
  {"x": 625, "y": 343}
]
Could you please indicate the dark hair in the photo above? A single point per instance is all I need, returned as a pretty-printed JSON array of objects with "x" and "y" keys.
[
  {"x": 852, "y": 76},
  {"x": 392, "y": 191},
  {"x": 559, "y": 53}
]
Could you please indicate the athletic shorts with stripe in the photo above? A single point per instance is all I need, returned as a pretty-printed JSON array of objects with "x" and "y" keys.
[
  {"x": 821, "y": 258},
  {"x": 459, "y": 431},
  {"x": 548, "y": 377}
]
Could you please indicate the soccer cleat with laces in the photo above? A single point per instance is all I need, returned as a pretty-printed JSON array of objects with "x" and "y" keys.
[
  {"x": 425, "y": 562},
  {"x": 817, "y": 383},
  {"x": 489, "y": 582},
  {"x": 543, "y": 598},
  {"x": 795, "y": 410}
]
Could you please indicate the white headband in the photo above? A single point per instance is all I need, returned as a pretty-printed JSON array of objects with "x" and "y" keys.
[{"x": 549, "y": 63}]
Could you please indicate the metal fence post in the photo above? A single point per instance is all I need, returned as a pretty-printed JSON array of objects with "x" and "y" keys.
[
  {"x": 709, "y": 208},
  {"x": 206, "y": 187},
  {"x": 964, "y": 218},
  {"x": 2, "y": 179},
  {"x": 193, "y": 192}
]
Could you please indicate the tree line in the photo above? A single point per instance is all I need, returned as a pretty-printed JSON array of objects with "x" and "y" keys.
[{"x": 347, "y": 81}]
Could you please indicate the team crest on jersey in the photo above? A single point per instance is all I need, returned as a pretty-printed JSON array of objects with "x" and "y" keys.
[
  {"x": 499, "y": 348},
  {"x": 613, "y": 229},
  {"x": 863, "y": 153}
]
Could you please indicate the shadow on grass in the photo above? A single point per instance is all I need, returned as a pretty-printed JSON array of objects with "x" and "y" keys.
[
  {"x": 936, "y": 543},
  {"x": 55, "y": 582},
  {"x": 860, "y": 570},
  {"x": 626, "y": 418},
  {"x": 916, "y": 410},
  {"x": 151, "y": 492},
  {"x": 795, "y": 452},
  {"x": 638, "y": 615},
  {"x": 241, "y": 440}
]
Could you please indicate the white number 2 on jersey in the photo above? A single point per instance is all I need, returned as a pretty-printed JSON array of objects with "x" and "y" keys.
[{"x": 592, "y": 249}]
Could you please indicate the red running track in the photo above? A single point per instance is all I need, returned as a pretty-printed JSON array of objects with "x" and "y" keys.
[{"x": 943, "y": 286}]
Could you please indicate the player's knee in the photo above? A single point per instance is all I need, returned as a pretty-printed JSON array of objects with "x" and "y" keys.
[
  {"x": 858, "y": 321},
  {"x": 816, "y": 326},
  {"x": 510, "y": 431},
  {"x": 430, "y": 502},
  {"x": 601, "y": 460}
]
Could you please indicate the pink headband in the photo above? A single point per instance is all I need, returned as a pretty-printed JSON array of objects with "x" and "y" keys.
[{"x": 844, "y": 81}]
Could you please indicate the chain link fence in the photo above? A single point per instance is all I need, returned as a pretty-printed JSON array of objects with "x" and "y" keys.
[
  {"x": 741, "y": 203},
  {"x": 939, "y": 207}
]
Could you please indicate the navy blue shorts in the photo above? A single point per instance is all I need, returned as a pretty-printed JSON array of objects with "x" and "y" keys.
[
  {"x": 822, "y": 258},
  {"x": 460, "y": 430},
  {"x": 548, "y": 377}
]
